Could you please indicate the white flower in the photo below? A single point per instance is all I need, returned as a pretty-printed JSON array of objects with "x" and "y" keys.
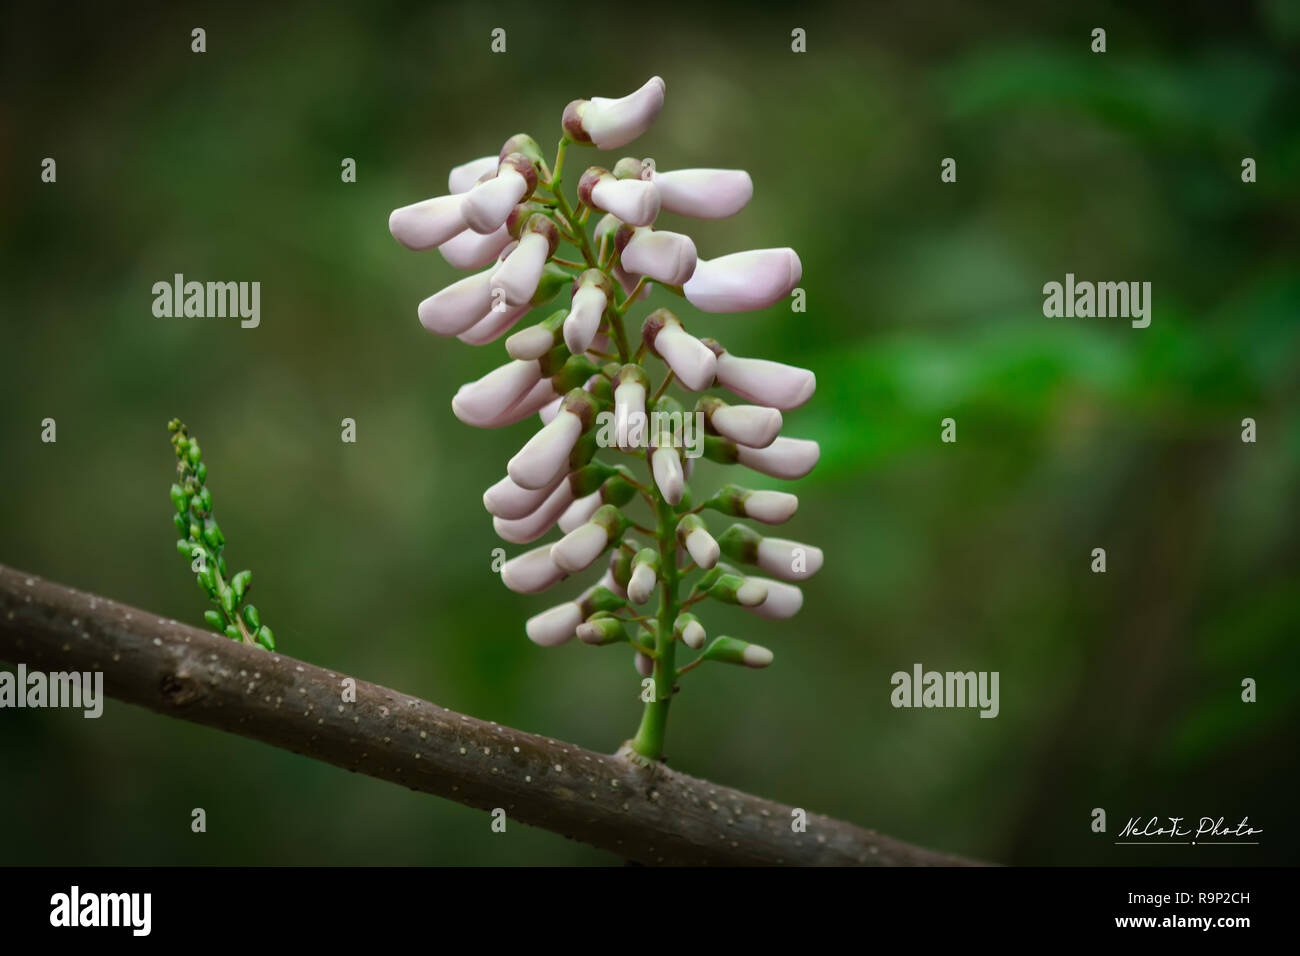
[
  {"x": 507, "y": 500},
  {"x": 462, "y": 178},
  {"x": 588, "y": 305},
  {"x": 534, "y": 525},
  {"x": 691, "y": 631},
  {"x": 667, "y": 469},
  {"x": 770, "y": 507},
  {"x": 532, "y": 572},
  {"x": 701, "y": 546},
  {"x": 642, "y": 583},
  {"x": 667, "y": 257},
  {"x": 534, "y": 399},
  {"x": 754, "y": 425},
  {"x": 783, "y": 601},
  {"x": 634, "y": 201},
  {"x": 554, "y": 626},
  {"x": 547, "y": 452},
  {"x": 763, "y": 381},
  {"x": 469, "y": 250},
  {"x": 487, "y": 206},
  {"x": 703, "y": 193},
  {"x": 788, "y": 560},
  {"x": 479, "y": 402},
  {"x": 743, "y": 281},
  {"x": 630, "y": 420},
  {"x": 578, "y": 549},
  {"x": 426, "y": 224},
  {"x": 495, "y": 324},
  {"x": 459, "y": 306},
  {"x": 609, "y": 124},
  {"x": 690, "y": 359},
  {"x": 580, "y": 511},
  {"x": 520, "y": 272},
  {"x": 785, "y": 458}
]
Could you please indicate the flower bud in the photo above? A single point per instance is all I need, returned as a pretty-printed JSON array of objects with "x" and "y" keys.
[
  {"x": 602, "y": 629},
  {"x": 547, "y": 452},
  {"x": 536, "y": 340},
  {"x": 532, "y": 572},
  {"x": 557, "y": 625},
  {"x": 666, "y": 465},
  {"x": 630, "y": 387},
  {"x": 469, "y": 250},
  {"x": 736, "y": 589},
  {"x": 584, "y": 544},
  {"x": 479, "y": 402},
  {"x": 787, "y": 560},
  {"x": 554, "y": 626},
  {"x": 783, "y": 600},
  {"x": 645, "y": 575},
  {"x": 590, "y": 297},
  {"x": 488, "y": 204},
  {"x": 704, "y": 193},
  {"x": 730, "y": 650},
  {"x": 688, "y": 629},
  {"x": 691, "y": 360},
  {"x": 667, "y": 257},
  {"x": 694, "y": 536},
  {"x": 645, "y": 666},
  {"x": 495, "y": 324},
  {"x": 580, "y": 512},
  {"x": 507, "y": 500},
  {"x": 763, "y": 381},
  {"x": 426, "y": 224},
  {"x": 463, "y": 177},
  {"x": 520, "y": 273},
  {"x": 459, "y": 306},
  {"x": 785, "y": 458},
  {"x": 743, "y": 281},
  {"x": 753, "y": 425},
  {"x": 634, "y": 201},
  {"x": 769, "y": 507},
  {"x": 532, "y": 526},
  {"x": 609, "y": 124}
]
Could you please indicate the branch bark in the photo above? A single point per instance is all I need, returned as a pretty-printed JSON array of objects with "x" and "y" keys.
[{"x": 649, "y": 814}]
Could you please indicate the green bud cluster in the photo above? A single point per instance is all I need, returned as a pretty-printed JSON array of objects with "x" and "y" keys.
[{"x": 202, "y": 543}]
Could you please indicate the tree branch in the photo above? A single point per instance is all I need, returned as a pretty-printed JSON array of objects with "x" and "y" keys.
[{"x": 649, "y": 814}]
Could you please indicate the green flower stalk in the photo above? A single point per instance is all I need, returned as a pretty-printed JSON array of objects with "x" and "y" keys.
[
  {"x": 203, "y": 545},
  {"x": 599, "y": 387}
]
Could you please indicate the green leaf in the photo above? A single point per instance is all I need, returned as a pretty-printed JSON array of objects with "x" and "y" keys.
[
  {"x": 266, "y": 638},
  {"x": 215, "y": 619},
  {"x": 240, "y": 583},
  {"x": 252, "y": 618},
  {"x": 180, "y": 499}
]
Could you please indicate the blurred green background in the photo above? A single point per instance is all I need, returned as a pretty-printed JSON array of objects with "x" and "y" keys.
[{"x": 924, "y": 301}]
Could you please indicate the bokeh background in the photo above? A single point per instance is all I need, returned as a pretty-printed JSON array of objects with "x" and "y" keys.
[{"x": 1119, "y": 690}]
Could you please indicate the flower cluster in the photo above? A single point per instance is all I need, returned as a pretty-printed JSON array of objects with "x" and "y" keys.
[{"x": 508, "y": 220}]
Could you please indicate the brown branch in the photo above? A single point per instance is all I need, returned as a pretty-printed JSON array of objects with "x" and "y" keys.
[{"x": 652, "y": 815}]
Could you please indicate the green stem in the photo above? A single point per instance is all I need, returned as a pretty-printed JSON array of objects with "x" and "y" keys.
[{"x": 649, "y": 739}]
